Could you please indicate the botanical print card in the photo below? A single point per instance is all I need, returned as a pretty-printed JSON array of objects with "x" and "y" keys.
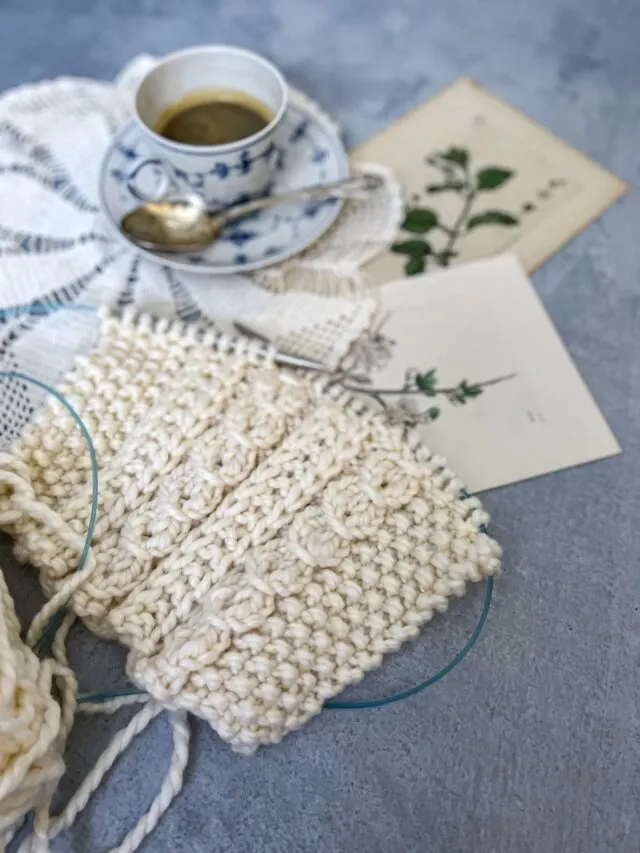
[
  {"x": 481, "y": 178},
  {"x": 470, "y": 357}
]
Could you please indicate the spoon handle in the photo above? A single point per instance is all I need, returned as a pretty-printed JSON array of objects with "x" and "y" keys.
[{"x": 322, "y": 192}]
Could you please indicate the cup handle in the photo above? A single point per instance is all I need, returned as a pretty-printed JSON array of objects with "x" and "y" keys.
[{"x": 150, "y": 180}]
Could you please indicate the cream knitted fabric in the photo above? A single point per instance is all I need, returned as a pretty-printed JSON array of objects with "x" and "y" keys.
[{"x": 262, "y": 539}]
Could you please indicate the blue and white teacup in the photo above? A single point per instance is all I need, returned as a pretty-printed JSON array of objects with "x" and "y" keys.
[{"x": 222, "y": 175}]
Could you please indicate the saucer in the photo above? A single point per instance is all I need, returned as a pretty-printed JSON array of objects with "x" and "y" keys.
[{"x": 311, "y": 153}]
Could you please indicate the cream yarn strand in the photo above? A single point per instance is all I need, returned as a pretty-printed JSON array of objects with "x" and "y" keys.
[
  {"x": 46, "y": 828},
  {"x": 30, "y": 724}
]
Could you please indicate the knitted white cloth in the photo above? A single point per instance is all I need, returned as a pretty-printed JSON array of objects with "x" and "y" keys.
[{"x": 262, "y": 539}]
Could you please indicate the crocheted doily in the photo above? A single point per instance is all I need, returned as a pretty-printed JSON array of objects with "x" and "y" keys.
[
  {"x": 55, "y": 247},
  {"x": 262, "y": 540}
]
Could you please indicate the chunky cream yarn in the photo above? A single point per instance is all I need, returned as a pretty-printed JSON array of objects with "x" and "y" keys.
[
  {"x": 30, "y": 724},
  {"x": 262, "y": 539}
]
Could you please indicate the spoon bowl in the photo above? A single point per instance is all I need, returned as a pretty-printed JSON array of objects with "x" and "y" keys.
[{"x": 173, "y": 225}]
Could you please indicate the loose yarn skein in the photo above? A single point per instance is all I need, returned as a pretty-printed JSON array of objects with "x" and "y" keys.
[{"x": 31, "y": 724}]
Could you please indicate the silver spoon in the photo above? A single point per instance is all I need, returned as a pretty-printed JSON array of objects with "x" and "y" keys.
[{"x": 184, "y": 225}]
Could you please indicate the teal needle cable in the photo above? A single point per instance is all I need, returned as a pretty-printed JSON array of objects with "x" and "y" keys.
[{"x": 44, "y": 641}]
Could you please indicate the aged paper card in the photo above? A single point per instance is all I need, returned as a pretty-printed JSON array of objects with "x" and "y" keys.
[
  {"x": 481, "y": 178},
  {"x": 470, "y": 357}
]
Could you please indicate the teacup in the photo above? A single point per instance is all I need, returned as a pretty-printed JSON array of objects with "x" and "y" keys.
[{"x": 221, "y": 174}]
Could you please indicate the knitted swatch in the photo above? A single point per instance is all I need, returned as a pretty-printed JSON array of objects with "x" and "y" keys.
[{"x": 262, "y": 539}]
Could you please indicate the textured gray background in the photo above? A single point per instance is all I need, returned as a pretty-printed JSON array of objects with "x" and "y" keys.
[{"x": 533, "y": 744}]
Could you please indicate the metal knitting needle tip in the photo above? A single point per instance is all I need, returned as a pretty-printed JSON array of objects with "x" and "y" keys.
[
  {"x": 280, "y": 356},
  {"x": 291, "y": 360},
  {"x": 248, "y": 332}
]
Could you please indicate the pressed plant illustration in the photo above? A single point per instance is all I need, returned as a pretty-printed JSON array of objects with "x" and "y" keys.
[
  {"x": 456, "y": 176},
  {"x": 421, "y": 398},
  {"x": 415, "y": 402}
]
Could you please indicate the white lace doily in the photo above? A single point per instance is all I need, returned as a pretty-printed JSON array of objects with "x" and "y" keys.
[{"x": 55, "y": 248}]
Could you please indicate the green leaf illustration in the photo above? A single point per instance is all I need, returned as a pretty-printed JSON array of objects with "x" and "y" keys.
[
  {"x": 456, "y": 186},
  {"x": 472, "y": 391},
  {"x": 414, "y": 265},
  {"x": 463, "y": 392},
  {"x": 491, "y": 217},
  {"x": 456, "y": 155},
  {"x": 445, "y": 257},
  {"x": 492, "y": 177},
  {"x": 420, "y": 220},
  {"x": 457, "y": 398},
  {"x": 434, "y": 413},
  {"x": 426, "y": 382},
  {"x": 415, "y": 248}
]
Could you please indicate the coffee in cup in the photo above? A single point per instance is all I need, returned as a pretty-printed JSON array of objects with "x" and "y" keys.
[{"x": 213, "y": 117}]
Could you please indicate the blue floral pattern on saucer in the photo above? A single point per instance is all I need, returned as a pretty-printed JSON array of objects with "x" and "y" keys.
[{"x": 308, "y": 153}]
